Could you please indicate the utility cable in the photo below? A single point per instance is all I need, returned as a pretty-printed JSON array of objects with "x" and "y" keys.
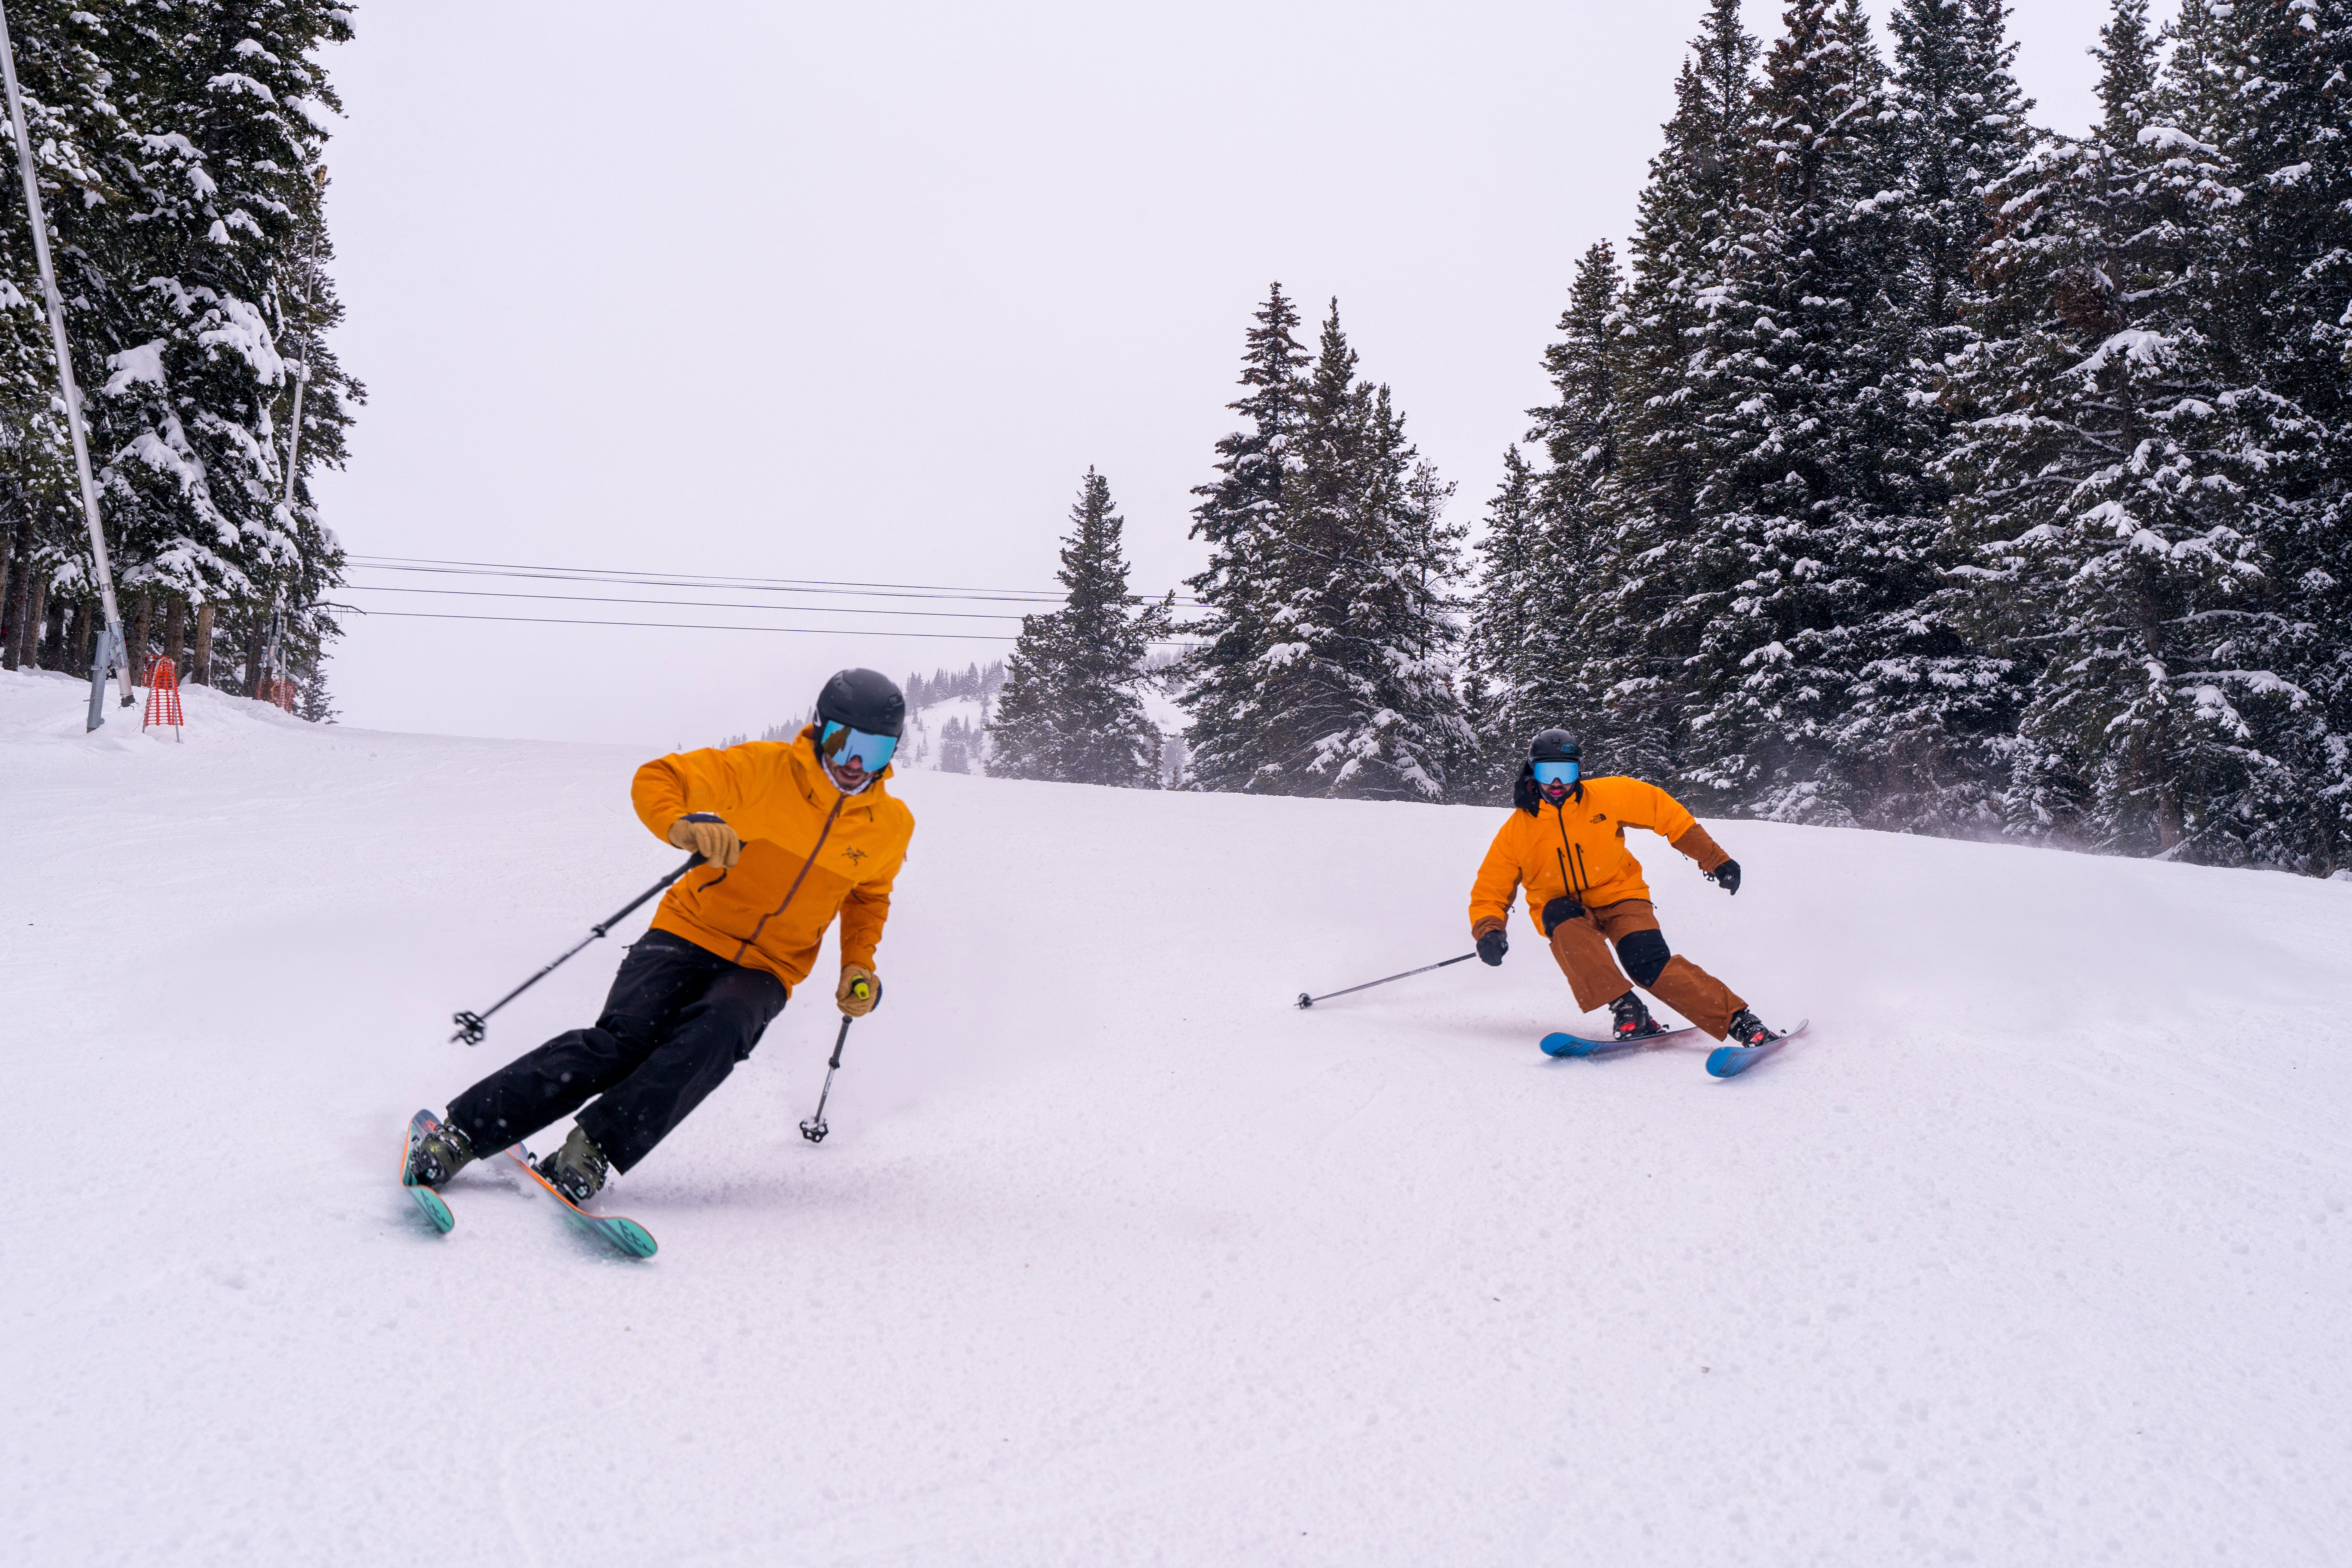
[{"x": 707, "y": 626}]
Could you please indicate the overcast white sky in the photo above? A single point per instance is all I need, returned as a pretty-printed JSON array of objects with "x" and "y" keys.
[{"x": 859, "y": 292}]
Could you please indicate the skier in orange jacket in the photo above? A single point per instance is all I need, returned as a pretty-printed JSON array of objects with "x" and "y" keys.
[
  {"x": 795, "y": 833},
  {"x": 1565, "y": 842}
]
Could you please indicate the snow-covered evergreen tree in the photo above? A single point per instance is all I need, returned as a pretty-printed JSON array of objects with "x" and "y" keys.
[
  {"x": 2113, "y": 472},
  {"x": 1649, "y": 502},
  {"x": 1238, "y": 515},
  {"x": 1071, "y": 707},
  {"x": 1495, "y": 648},
  {"x": 1353, "y": 694},
  {"x": 1575, "y": 650},
  {"x": 1823, "y": 673},
  {"x": 185, "y": 161}
]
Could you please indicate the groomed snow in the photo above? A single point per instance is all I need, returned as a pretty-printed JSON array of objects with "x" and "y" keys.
[{"x": 2034, "y": 1252}]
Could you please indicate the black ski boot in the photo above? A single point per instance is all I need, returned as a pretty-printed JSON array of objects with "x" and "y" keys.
[
  {"x": 1633, "y": 1020},
  {"x": 577, "y": 1170},
  {"x": 438, "y": 1156},
  {"x": 1748, "y": 1029}
]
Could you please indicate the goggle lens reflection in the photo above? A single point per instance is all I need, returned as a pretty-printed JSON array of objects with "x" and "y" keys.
[
  {"x": 838, "y": 744},
  {"x": 1550, "y": 773}
]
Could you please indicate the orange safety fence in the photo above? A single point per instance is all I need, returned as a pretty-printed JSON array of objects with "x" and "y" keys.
[{"x": 163, "y": 697}]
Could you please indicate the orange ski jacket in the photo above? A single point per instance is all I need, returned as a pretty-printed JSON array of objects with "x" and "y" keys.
[
  {"x": 1578, "y": 848},
  {"x": 809, "y": 852}
]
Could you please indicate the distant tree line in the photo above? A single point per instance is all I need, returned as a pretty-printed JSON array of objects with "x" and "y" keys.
[
  {"x": 179, "y": 144},
  {"x": 1916, "y": 470}
]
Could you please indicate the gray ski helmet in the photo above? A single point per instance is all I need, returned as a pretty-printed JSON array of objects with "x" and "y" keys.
[
  {"x": 864, "y": 699},
  {"x": 1555, "y": 746}
]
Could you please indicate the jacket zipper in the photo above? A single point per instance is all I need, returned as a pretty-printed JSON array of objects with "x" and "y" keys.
[
  {"x": 1578, "y": 883},
  {"x": 823, "y": 834}
]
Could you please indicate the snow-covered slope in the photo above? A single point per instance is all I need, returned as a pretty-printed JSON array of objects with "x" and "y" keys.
[{"x": 2034, "y": 1252}]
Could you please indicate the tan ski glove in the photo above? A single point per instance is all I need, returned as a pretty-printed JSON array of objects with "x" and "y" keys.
[
  {"x": 707, "y": 837},
  {"x": 860, "y": 991}
]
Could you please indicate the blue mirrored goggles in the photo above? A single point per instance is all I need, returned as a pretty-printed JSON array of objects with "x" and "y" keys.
[
  {"x": 838, "y": 744},
  {"x": 1550, "y": 773}
]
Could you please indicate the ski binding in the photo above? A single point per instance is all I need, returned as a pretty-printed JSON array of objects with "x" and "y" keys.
[
  {"x": 427, "y": 1200},
  {"x": 625, "y": 1237}
]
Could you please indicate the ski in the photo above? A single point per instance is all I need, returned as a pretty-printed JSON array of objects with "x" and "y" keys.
[
  {"x": 1730, "y": 1061},
  {"x": 1577, "y": 1046},
  {"x": 427, "y": 1200},
  {"x": 625, "y": 1237}
]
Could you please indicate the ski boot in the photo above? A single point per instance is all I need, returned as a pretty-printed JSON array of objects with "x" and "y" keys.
[
  {"x": 1748, "y": 1029},
  {"x": 438, "y": 1155},
  {"x": 1633, "y": 1020},
  {"x": 578, "y": 1169}
]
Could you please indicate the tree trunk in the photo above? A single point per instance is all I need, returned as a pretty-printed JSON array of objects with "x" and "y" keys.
[
  {"x": 28, "y": 631},
  {"x": 142, "y": 618},
  {"x": 77, "y": 644},
  {"x": 20, "y": 578},
  {"x": 200, "y": 669},
  {"x": 53, "y": 645},
  {"x": 175, "y": 633},
  {"x": 255, "y": 634}
]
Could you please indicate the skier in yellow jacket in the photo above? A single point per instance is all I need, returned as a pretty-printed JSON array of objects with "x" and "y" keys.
[
  {"x": 1565, "y": 842},
  {"x": 795, "y": 833}
]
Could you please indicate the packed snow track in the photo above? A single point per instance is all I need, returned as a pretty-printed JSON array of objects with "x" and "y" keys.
[{"x": 2032, "y": 1251}]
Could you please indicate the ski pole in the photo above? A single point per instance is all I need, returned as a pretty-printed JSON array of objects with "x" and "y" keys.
[
  {"x": 471, "y": 1025},
  {"x": 1306, "y": 1001},
  {"x": 814, "y": 1129}
]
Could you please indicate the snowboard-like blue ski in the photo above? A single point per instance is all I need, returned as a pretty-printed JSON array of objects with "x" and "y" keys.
[
  {"x": 1730, "y": 1061},
  {"x": 625, "y": 1237},
  {"x": 1577, "y": 1046},
  {"x": 428, "y": 1200}
]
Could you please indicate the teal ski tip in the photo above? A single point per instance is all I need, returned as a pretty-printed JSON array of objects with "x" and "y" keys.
[
  {"x": 1730, "y": 1061},
  {"x": 623, "y": 1235},
  {"x": 427, "y": 1200}
]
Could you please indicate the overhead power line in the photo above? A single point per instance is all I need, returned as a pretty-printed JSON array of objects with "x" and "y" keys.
[
  {"x": 683, "y": 603},
  {"x": 709, "y": 626},
  {"x": 657, "y": 579}
]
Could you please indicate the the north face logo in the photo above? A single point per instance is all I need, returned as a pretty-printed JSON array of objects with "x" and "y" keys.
[{"x": 1599, "y": 817}]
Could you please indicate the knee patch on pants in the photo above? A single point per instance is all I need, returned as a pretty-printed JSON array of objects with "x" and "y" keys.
[{"x": 1644, "y": 953}]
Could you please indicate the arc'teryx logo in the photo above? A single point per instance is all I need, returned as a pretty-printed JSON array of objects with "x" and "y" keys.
[{"x": 855, "y": 853}]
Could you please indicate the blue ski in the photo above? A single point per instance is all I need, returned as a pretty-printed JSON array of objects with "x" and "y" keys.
[
  {"x": 428, "y": 1200},
  {"x": 1730, "y": 1061},
  {"x": 1577, "y": 1046}
]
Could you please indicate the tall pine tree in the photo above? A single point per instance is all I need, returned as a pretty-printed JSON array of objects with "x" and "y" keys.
[
  {"x": 1239, "y": 515},
  {"x": 1070, "y": 708},
  {"x": 1353, "y": 694}
]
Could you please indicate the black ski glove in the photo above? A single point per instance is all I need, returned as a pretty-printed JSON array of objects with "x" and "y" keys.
[
  {"x": 1726, "y": 875},
  {"x": 1493, "y": 945},
  {"x": 1558, "y": 912}
]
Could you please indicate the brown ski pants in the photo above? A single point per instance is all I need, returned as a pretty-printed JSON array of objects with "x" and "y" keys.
[{"x": 1582, "y": 946}]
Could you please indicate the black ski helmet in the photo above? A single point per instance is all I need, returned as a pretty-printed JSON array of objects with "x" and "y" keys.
[
  {"x": 864, "y": 699},
  {"x": 1555, "y": 746}
]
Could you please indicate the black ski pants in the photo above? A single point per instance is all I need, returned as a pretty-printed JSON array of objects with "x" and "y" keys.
[{"x": 677, "y": 1022}]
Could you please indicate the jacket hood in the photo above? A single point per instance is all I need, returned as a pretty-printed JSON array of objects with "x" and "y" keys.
[{"x": 1524, "y": 795}]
